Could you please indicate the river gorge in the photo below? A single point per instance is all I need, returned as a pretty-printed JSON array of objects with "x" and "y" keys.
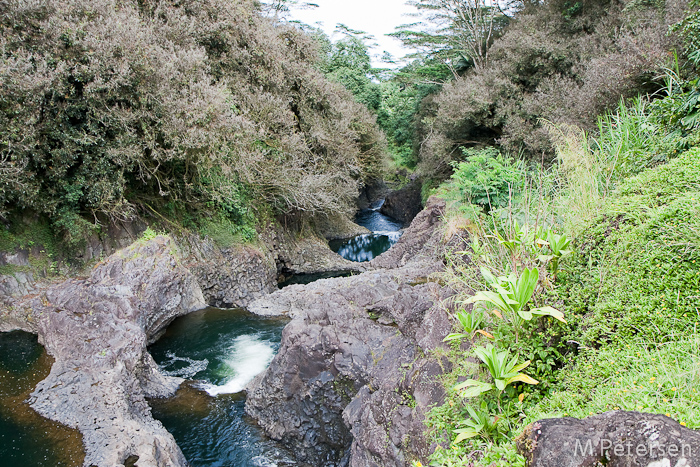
[{"x": 201, "y": 366}]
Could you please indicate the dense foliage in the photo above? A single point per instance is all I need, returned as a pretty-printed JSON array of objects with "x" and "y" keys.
[
  {"x": 107, "y": 106},
  {"x": 566, "y": 62}
]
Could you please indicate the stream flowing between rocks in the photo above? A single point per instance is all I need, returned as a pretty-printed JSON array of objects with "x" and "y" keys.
[
  {"x": 385, "y": 233},
  {"x": 218, "y": 351}
]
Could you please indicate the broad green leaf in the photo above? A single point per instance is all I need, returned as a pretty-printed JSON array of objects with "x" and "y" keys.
[
  {"x": 549, "y": 311},
  {"x": 521, "y": 367},
  {"x": 465, "y": 433},
  {"x": 451, "y": 337},
  {"x": 526, "y": 315},
  {"x": 522, "y": 378},
  {"x": 473, "y": 388},
  {"x": 500, "y": 384},
  {"x": 525, "y": 286},
  {"x": 488, "y": 277}
]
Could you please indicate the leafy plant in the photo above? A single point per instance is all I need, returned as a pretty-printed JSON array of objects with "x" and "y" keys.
[
  {"x": 515, "y": 242},
  {"x": 486, "y": 178},
  {"x": 511, "y": 296},
  {"x": 479, "y": 424},
  {"x": 558, "y": 246},
  {"x": 470, "y": 322},
  {"x": 149, "y": 234},
  {"x": 503, "y": 368}
]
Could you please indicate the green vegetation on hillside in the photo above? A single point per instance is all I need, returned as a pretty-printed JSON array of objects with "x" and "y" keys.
[{"x": 613, "y": 229}]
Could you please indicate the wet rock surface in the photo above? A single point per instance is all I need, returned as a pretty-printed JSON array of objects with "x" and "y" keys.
[
  {"x": 337, "y": 227},
  {"x": 351, "y": 383},
  {"x": 97, "y": 329},
  {"x": 615, "y": 439}
]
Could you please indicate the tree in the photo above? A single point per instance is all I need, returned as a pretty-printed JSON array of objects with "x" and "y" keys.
[
  {"x": 281, "y": 8},
  {"x": 348, "y": 62},
  {"x": 458, "y": 32}
]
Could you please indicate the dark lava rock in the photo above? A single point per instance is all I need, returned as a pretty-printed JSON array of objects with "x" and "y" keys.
[
  {"x": 371, "y": 192},
  {"x": 614, "y": 439},
  {"x": 97, "y": 329},
  {"x": 351, "y": 383},
  {"x": 404, "y": 204}
]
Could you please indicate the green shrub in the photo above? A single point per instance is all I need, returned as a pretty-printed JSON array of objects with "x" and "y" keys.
[
  {"x": 637, "y": 266},
  {"x": 486, "y": 179},
  {"x": 107, "y": 106}
]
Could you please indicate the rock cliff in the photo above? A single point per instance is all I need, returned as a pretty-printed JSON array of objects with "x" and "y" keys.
[
  {"x": 97, "y": 329},
  {"x": 351, "y": 383}
]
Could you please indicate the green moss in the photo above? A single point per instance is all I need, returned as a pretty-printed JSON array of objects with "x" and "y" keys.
[
  {"x": 227, "y": 233},
  {"x": 661, "y": 185},
  {"x": 26, "y": 233},
  {"x": 11, "y": 269},
  {"x": 633, "y": 293}
]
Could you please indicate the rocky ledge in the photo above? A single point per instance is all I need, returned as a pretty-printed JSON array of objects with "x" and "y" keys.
[
  {"x": 97, "y": 329},
  {"x": 351, "y": 383}
]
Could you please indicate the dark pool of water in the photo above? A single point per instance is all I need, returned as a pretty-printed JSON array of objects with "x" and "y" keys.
[
  {"x": 309, "y": 278},
  {"x": 223, "y": 350},
  {"x": 385, "y": 233},
  {"x": 26, "y": 438},
  {"x": 364, "y": 247}
]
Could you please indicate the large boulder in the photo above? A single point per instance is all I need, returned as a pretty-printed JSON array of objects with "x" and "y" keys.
[
  {"x": 404, "y": 204},
  {"x": 614, "y": 439}
]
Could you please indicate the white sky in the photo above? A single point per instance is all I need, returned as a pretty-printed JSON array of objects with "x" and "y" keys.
[{"x": 375, "y": 17}]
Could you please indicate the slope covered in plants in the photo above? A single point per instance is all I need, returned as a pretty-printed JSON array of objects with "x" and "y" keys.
[
  {"x": 582, "y": 293},
  {"x": 195, "y": 108}
]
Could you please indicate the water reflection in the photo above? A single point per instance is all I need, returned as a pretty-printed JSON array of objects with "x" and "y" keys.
[
  {"x": 385, "y": 233},
  {"x": 26, "y": 438},
  {"x": 365, "y": 247}
]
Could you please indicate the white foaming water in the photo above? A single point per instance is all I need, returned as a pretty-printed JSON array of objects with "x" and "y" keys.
[
  {"x": 249, "y": 356},
  {"x": 193, "y": 366}
]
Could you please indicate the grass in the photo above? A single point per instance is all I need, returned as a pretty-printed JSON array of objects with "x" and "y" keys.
[{"x": 642, "y": 375}]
